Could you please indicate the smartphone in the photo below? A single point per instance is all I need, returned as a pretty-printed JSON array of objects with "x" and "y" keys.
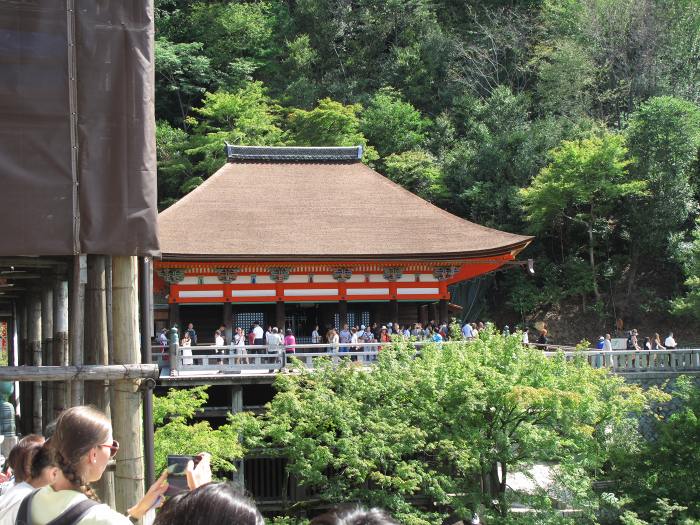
[{"x": 177, "y": 481}]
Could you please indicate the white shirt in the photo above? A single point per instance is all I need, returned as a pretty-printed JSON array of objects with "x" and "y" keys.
[
  {"x": 315, "y": 337},
  {"x": 219, "y": 341},
  {"x": 526, "y": 338},
  {"x": 467, "y": 331},
  {"x": 607, "y": 345},
  {"x": 258, "y": 331},
  {"x": 14, "y": 494},
  {"x": 670, "y": 342}
]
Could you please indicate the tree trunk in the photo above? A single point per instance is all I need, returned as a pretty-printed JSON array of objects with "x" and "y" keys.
[{"x": 591, "y": 257}]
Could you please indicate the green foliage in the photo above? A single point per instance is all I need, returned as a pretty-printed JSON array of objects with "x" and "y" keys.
[
  {"x": 182, "y": 74},
  {"x": 663, "y": 137},
  {"x": 458, "y": 413},
  {"x": 689, "y": 304},
  {"x": 246, "y": 116},
  {"x": 176, "y": 433},
  {"x": 174, "y": 167},
  {"x": 391, "y": 124},
  {"x": 661, "y": 480},
  {"x": 418, "y": 172}
]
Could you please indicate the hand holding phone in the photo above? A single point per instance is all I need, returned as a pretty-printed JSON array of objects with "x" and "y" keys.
[{"x": 177, "y": 473}]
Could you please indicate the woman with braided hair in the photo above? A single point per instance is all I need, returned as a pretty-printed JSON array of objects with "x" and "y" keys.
[{"x": 82, "y": 445}]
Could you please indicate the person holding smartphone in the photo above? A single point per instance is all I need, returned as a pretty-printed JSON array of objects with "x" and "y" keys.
[{"x": 82, "y": 445}]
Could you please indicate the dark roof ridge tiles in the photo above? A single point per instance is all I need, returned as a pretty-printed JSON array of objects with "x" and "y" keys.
[{"x": 293, "y": 153}]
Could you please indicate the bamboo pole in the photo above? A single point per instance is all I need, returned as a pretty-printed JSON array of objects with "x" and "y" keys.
[
  {"x": 60, "y": 341},
  {"x": 96, "y": 341},
  {"x": 47, "y": 347},
  {"x": 78, "y": 373},
  {"x": 34, "y": 337},
  {"x": 24, "y": 396},
  {"x": 127, "y": 402},
  {"x": 77, "y": 323}
]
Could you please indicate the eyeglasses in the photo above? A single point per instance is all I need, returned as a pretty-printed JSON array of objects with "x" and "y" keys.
[{"x": 113, "y": 448}]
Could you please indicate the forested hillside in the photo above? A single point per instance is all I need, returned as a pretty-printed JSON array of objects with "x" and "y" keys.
[{"x": 577, "y": 121}]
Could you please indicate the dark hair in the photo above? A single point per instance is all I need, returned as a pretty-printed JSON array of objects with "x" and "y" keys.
[
  {"x": 78, "y": 429},
  {"x": 210, "y": 504},
  {"x": 354, "y": 516},
  {"x": 43, "y": 458},
  {"x": 20, "y": 457}
]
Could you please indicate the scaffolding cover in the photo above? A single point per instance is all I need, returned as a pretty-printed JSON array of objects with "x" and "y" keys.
[{"x": 77, "y": 128}]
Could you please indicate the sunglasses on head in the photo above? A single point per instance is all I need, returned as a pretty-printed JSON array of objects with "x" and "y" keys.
[{"x": 113, "y": 448}]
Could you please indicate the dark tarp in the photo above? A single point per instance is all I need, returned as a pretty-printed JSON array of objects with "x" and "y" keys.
[{"x": 103, "y": 199}]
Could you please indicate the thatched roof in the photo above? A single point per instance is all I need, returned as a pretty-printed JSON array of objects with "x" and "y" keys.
[{"x": 320, "y": 210}]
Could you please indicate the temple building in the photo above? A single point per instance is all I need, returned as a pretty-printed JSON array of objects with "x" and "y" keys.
[{"x": 295, "y": 237}]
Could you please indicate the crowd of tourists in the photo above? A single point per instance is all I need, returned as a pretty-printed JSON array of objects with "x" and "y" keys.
[{"x": 47, "y": 480}]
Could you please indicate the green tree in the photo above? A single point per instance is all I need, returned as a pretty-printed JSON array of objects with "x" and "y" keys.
[
  {"x": 330, "y": 123},
  {"x": 689, "y": 304},
  {"x": 583, "y": 182},
  {"x": 182, "y": 77},
  {"x": 247, "y": 116},
  {"x": 391, "y": 124},
  {"x": 663, "y": 136},
  {"x": 456, "y": 414},
  {"x": 666, "y": 468},
  {"x": 418, "y": 172},
  {"x": 176, "y": 433},
  {"x": 174, "y": 167}
]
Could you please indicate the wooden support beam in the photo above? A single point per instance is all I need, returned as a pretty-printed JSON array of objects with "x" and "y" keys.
[
  {"x": 77, "y": 323},
  {"x": 78, "y": 373},
  {"x": 97, "y": 343},
  {"x": 61, "y": 391},
  {"x": 47, "y": 347},
  {"x": 127, "y": 401},
  {"x": 34, "y": 337}
]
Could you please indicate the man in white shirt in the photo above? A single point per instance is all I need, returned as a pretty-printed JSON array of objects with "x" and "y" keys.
[
  {"x": 467, "y": 331},
  {"x": 670, "y": 342},
  {"x": 259, "y": 334}
]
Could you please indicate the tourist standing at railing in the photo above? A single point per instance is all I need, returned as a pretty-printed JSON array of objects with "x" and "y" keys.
[
  {"x": 670, "y": 342},
  {"x": 526, "y": 337},
  {"x": 289, "y": 342},
  {"x": 354, "y": 339},
  {"x": 251, "y": 335},
  {"x": 186, "y": 345},
  {"x": 656, "y": 343},
  {"x": 467, "y": 332},
  {"x": 333, "y": 339},
  {"x": 192, "y": 332},
  {"x": 607, "y": 343},
  {"x": 344, "y": 337},
  {"x": 239, "y": 344},
  {"x": 258, "y": 334},
  {"x": 163, "y": 337},
  {"x": 316, "y": 336}
]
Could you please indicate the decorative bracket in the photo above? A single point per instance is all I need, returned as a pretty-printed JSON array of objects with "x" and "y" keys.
[
  {"x": 227, "y": 275},
  {"x": 342, "y": 274},
  {"x": 171, "y": 275},
  {"x": 393, "y": 273},
  {"x": 442, "y": 273},
  {"x": 279, "y": 273}
]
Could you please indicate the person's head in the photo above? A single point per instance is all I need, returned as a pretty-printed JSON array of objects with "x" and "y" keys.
[
  {"x": 289, "y": 331},
  {"x": 190, "y": 326},
  {"x": 239, "y": 330},
  {"x": 544, "y": 331},
  {"x": 656, "y": 337},
  {"x": 20, "y": 457},
  {"x": 43, "y": 469},
  {"x": 82, "y": 445},
  {"x": 354, "y": 516},
  {"x": 217, "y": 333},
  {"x": 210, "y": 504},
  {"x": 607, "y": 337}
]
